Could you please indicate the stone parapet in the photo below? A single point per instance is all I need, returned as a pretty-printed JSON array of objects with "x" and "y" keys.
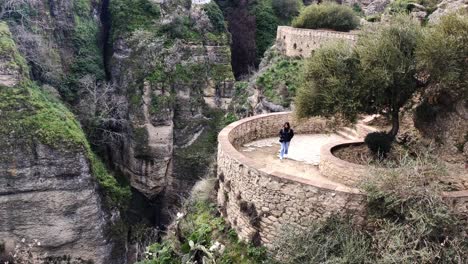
[
  {"x": 299, "y": 42},
  {"x": 352, "y": 174},
  {"x": 259, "y": 202}
]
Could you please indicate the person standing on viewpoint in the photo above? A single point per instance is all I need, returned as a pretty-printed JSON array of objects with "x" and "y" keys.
[{"x": 285, "y": 134}]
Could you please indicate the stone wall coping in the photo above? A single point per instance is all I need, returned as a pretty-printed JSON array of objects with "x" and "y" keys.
[
  {"x": 228, "y": 147},
  {"x": 327, "y": 151},
  {"x": 304, "y": 30}
]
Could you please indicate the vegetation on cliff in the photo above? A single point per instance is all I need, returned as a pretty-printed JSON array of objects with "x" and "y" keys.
[
  {"x": 407, "y": 223},
  {"x": 200, "y": 235},
  {"x": 280, "y": 81},
  {"x": 30, "y": 114},
  {"x": 9, "y": 52},
  {"x": 253, "y": 25},
  {"x": 327, "y": 16}
]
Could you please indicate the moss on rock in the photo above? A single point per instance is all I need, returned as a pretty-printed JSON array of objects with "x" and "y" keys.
[
  {"x": 9, "y": 52},
  {"x": 28, "y": 114}
]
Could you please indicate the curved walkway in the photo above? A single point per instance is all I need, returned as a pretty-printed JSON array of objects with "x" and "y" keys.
[{"x": 303, "y": 158}]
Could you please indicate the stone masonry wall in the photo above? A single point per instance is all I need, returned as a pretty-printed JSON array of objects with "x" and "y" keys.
[
  {"x": 259, "y": 202},
  {"x": 299, "y": 42}
]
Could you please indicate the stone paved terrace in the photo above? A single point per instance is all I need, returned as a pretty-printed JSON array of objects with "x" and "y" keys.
[
  {"x": 303, "y": 158},
  {"x": 259, "y": 195}
]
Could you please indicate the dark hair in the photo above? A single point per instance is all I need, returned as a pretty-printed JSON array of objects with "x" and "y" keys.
[{"x": 287, "y": 124}]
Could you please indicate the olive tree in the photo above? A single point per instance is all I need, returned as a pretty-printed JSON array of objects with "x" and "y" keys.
[
  {"x": 377, "y": 76},
  {"x": 443, "y": 54},
  {"x": 387, "y": 66},
  {"x": 330, "y": 77}
]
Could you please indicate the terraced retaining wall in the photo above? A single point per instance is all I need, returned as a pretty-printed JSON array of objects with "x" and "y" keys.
[
  {"x": 351, "y": 174},
  {"x": 299, "y": 42},
  {"x": 259, "y": 202}
]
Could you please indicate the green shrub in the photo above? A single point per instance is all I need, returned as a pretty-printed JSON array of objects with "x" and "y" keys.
[
  {"x": 266, "y": 23},
  {"x": 216, "y": 16},
  {"x": 443, "y": 54},
  {"x": 332, "y": 241},
  {"x": 129, "y": 15},
  {"x": 379, "y": 143},
  {"x": 198, "y": 230},
  {"x": 286, "y": 9},
  {"x": 329, "y": 82},
  {"x": 327, "y": 16},
  {"x": 281, "y": 80},
  {"x": 181, "y": 27},
  {"x": 400, "y": 6}
]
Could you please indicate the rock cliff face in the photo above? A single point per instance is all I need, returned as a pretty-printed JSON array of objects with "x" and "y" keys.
[
  {"x": 446, "y": 7},
  {"x": 50, "y": 195},
  {"x": 48, "y": 189},
  {"x": 175, "y": 73}
]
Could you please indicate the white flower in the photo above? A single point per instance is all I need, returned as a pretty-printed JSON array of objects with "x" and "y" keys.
[
  {"x": 221, "y": 249},
  {"x": 179, "y": 215},
  {"x": 23, "y": 240},
  {"x": 216, "y": 246},
  {"x": 38, "y": 243}
]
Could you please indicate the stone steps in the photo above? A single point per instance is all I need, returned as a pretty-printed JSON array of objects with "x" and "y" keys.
[
  {"x": 348, "y": 133},
  {"x": 358, "y": 132}
]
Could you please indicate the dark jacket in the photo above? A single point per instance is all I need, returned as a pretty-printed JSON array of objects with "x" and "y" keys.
[{"x": 286, "y": 135}]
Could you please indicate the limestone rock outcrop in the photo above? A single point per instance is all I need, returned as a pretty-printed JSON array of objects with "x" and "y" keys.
[
  {"x": 447, "y": 7},
  {"x": 50, "y": 195},
  {"x": 48, "y": 192},
  {"x": 172, "y": 75}
]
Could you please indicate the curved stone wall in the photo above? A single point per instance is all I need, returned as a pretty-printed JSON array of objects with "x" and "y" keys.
[
  {"x": 351, "y": 174},
  {"x": 300, "y": 42},
  {"x": 340, "y": 170},
  {"x": 259, "y": 202}
]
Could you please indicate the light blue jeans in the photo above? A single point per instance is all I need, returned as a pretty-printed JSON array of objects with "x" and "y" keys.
[{"x": 284, "y": 149}]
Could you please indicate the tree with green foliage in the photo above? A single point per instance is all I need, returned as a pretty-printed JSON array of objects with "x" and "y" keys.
[
  {"x": 286, "y": 9},
  {"x": 266, "y": 24},
  {"x": 443, "y": 55},
  {"x": 387, "y": 67},
  {"x": 216, "y": 16},
  {"x": 327, "y": 16},
  {"x": 378, "y": 76},
  {"x": 330, "y": 78}
]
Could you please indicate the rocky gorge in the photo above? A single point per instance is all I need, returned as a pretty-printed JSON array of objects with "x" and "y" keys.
[
  {"x": 110, "y": 111},
  {"x": 145, "y": 81}
]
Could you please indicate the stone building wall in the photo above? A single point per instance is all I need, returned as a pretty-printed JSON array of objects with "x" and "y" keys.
[
  {"x": 259, "y": 202},
  {"x": 299, "y": 42}
]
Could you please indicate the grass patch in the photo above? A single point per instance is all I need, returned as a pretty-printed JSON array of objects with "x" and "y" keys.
[{"x": 281, "y": 80}]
